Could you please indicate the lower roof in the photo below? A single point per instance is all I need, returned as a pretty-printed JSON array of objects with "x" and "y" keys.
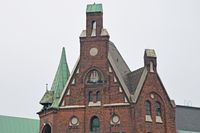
[
  {"x": 10, "y": 124},
  {"x": 187, "y": 119},
  {"x": 183, "y": 131}
]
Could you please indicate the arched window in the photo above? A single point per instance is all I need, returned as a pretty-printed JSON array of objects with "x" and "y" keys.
[
  {"x": 98, "y": 96},
  {"x": 90, "y": 96},
  {"x": 46, "y": 129},
  {"x": 158, "y": 108},
  {"x": 94, "y": 77},
  {"x": 95, "y": 125},
  {"x": 94, "y": 25},
  {"x": 148, "y": 107}
]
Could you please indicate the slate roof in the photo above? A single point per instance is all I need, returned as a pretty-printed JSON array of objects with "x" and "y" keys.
[
  {"x": 131, "y": 81},
  {"x": 120, "y": 67},
  {"x": 188, "y": 118},
  {"x": 10, "y": 124},
  {"x": 134, "y": 78}
]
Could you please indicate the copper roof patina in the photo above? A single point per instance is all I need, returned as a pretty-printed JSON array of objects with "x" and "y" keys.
[
  {"x": 10, "y": 124},
  {"x": 52, "y": 97},
  {"x": 94, "y": 8}
]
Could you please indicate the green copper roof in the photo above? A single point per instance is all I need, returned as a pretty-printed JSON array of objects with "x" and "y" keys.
[
  {"x": 10, "y": 124},
  {"x": 52, "y": 97},
  {"x": 60, "y": 79},
  {"x": 94, "y": 8}
]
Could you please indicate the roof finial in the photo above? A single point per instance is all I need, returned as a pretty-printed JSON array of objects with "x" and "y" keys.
[{"x": 46, "y": 87}]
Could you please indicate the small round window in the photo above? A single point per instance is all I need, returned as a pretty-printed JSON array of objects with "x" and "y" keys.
[
  {"x": 74, "y": 121},
  {"x": 115, "y": 120}
]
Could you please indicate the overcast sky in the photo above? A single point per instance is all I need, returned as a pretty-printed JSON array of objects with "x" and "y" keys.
[{"x": 33, "y": 32}]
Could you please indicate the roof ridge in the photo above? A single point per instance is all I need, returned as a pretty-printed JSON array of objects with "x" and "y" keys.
[
  {"x": 183, "y": 106},
  {"x": 18, "y": 117},
  {"x": 137, "y": 70}
]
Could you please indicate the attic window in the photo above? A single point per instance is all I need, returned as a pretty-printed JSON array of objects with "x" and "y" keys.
[{"x": 94, "y": 77}]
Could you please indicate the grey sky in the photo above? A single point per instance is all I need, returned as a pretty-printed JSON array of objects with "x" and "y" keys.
[{"x": 33, "y": 32}]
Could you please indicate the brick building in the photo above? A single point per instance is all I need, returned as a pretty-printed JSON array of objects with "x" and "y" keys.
[{"x": 102, "y": 95}]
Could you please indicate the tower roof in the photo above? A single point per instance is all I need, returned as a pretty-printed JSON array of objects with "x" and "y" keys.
[
  {"x": 60, "y": 79},
  {"x": 94, "y": 8}
]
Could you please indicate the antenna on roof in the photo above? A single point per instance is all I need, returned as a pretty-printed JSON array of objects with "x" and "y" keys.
[{"x": 46, "y": 87}]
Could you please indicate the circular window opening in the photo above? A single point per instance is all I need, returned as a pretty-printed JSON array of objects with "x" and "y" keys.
[
  {"x": 115, "y": 120},
  {"x": 74, "y": 121}
]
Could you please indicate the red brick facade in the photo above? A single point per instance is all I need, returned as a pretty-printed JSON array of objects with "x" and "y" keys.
[{"x": 95, "y": 99}]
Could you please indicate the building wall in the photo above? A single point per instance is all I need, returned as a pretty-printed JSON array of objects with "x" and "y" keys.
[
  {"x": 114, "y": 104},
  {"x": 154, "y": 91}
]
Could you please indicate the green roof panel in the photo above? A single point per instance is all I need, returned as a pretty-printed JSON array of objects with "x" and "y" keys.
[
  {"x": 60, "y": 79},
  {"x": 94, "y": 8},
  {"x": 9, "y": 124},
  {"x": 52, "y": 97}
]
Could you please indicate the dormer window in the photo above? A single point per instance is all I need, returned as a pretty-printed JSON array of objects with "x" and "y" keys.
[{"x": 94, "y": 77}]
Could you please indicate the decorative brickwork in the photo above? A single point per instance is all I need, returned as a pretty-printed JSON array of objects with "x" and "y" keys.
[{"x": 103, "y": 96}]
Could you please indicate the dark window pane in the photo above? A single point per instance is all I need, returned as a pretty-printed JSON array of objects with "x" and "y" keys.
[
  {"x": 95, "y": 124},
  {"x": 90, "y": 96},
  {"x": 158, "y": 109},
  {"x": 148, "y": 108},
  {"x": 98, "y": 96}
]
